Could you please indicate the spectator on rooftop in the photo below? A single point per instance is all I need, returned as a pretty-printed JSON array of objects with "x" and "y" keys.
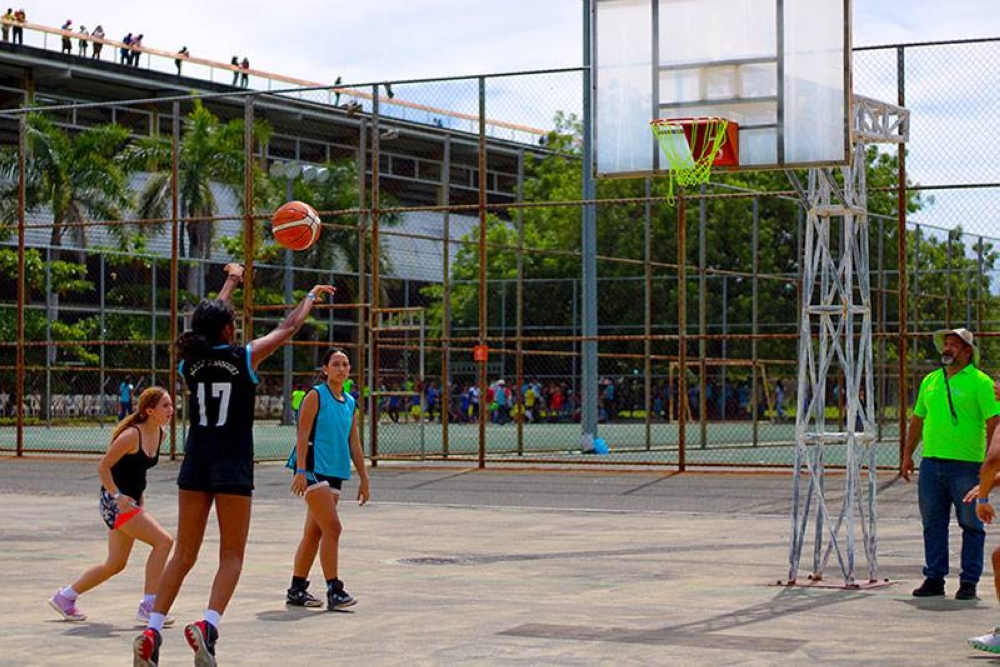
[
  {"x": 181, "y": 56},
  {"x": 99, "y": 34},
  {"x": 5, "y": 23},
  {"x": 83, "y": 41},
  {"x": 135, "y": 52},
  {"x": 67, "y": 44},
  {"x": 19, "y": 19},
  {"x": 126, "y": 56}
]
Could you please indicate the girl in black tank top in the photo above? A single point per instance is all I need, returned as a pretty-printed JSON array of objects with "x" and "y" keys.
[{"x": 134, "y": 449}]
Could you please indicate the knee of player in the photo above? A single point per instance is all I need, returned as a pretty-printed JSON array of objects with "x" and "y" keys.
[
  {"x": 333, "y": 527},
  {"x": 996, "y": 559},
  {"x": 185, "y": 558},
  {"x": 116, "y": 565},
  {"x": 163, "y": 543},
  {"x": 231, "y": 558}
]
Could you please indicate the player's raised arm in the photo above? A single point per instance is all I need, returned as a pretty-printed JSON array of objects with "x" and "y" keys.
[
  {"x": 234, "y": 276},
  {"x": 266, "y": 345}
]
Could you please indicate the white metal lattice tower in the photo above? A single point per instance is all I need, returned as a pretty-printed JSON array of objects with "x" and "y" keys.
[{"x": 836, "y": 333}]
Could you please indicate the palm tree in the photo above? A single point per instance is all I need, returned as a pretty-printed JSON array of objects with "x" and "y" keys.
[
  {"x": 211, "y": 155},
  {"x": 81, "y": 177}
]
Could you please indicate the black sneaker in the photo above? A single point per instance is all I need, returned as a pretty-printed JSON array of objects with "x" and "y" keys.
[
  {"x": 146, "y": 649},
  {"x": 966, "y": 591},
  {"x": 930, "y": 588},
  {"x": 299, "y": 596},
  {"x": 337, "y": 597},
  {"x": 201, "y": 637}
]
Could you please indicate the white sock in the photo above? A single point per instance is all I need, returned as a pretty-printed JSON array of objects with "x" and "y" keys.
[
  {"x": 69, "y": 594},
  {"x": 213, "y": 617},
  {"x": 156, "y": 621},
  {"x": 148, "y": 600}
]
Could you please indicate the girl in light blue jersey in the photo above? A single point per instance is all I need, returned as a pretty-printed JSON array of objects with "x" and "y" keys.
[{"x": 327, "y": 443}]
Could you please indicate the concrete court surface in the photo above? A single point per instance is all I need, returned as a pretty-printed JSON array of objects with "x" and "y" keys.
[{"x": 454, "y": 566}]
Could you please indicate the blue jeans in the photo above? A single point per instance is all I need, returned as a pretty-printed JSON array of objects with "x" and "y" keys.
[{"x": 941, "y": 486}]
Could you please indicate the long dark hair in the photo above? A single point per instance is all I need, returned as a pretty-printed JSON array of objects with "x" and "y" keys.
[{"x": 209, "y": 320}]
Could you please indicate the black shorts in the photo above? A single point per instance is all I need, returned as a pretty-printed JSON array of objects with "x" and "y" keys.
[
  {"x": 204, "y": 472},
  {"x": 318, "y": 481}
]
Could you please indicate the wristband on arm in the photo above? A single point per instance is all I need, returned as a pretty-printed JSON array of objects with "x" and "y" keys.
[{"x": 983, "y": 501}]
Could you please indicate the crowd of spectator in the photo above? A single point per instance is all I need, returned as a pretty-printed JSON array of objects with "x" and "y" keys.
[{"x": 12, "y": 30}]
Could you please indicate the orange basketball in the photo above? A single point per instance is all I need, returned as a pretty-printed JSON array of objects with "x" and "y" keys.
[{"x": 295, "y": 225}]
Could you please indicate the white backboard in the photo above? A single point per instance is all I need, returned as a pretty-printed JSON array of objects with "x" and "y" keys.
[{"x": 779, "y": 68}]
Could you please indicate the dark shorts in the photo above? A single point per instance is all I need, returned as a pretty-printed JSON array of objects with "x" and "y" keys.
[
  {"x": 216, "y": 475},
  {"x": 317, "y": 481},
  {"x": 112, "y": 516}
]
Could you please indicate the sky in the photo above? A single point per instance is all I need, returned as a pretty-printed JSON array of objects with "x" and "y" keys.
[{"x": 380, "y": 40}]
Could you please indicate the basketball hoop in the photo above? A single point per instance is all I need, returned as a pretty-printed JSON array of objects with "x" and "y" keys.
[{"x": 693, "y": 146}]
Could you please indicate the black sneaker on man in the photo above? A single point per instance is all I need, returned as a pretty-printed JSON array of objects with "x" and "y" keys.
[
  {"x": 299, "y": 596},
  {"x": 930, "y": 588},
  {"x": 201, "y": 637},
  {"x": 966, "y": 591},
  {"x": 337, "y": 597}
]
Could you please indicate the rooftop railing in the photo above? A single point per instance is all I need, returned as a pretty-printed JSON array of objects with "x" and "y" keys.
[{"x": 351, "y": 96}]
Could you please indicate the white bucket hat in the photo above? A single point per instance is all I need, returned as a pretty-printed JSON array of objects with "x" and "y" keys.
[{"x": 964, "y": 334}]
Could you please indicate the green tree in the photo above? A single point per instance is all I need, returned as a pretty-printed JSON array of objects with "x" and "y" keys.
[
  {"x": 211, "y": 156},
  {"x": 552, "y": 239},
  {"x": 80, "y": 177}
]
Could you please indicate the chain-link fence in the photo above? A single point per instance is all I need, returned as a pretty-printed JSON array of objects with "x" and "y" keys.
[{"x": 452, "y": 230}]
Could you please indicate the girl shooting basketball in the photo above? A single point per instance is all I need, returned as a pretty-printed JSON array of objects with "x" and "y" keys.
[{"x": 218, "y": 459}]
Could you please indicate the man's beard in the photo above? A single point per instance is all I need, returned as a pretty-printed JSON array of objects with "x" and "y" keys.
[{"x": 947, "y": 360}]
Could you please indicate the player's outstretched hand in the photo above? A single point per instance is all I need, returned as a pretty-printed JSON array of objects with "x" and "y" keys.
[
  {"x": 318, "y": 291},
  {"x": 234, "y": 269}
]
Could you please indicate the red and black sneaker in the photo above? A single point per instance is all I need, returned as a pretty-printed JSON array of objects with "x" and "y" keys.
[
  {"x": 146, "y": 649},
  {"x": 201, "y": 637}
]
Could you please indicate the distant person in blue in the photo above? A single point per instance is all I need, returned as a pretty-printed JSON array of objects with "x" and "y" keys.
[
  {"x": 126, "y": 390},
  {"x": 327, "y": 443}
]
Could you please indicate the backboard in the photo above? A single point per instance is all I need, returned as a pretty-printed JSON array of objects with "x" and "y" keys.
[{"x": 779, "y": 68}]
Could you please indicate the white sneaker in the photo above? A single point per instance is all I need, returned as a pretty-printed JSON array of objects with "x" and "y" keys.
[
  {"x": 142, "y": 615},
  {"x": 988, "y": 642}
]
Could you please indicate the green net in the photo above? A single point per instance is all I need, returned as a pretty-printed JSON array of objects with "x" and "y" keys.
[{"x": 690, "y": 152}]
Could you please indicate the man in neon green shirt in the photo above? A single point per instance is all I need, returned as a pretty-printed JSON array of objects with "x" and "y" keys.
[
  {"x": 297, "y": 395},
  {"x": 955, "y": 415}
]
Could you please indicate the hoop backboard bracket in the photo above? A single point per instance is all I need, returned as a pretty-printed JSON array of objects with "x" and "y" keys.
[{"x": 780, "y": 69}]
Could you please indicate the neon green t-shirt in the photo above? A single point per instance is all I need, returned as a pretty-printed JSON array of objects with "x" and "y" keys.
[
  {"x": 297, "y": 397},
  {"x": 972, "y": 396}
]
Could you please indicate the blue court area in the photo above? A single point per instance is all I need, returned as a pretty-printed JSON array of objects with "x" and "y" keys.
[{"x": 739, "y": 443}]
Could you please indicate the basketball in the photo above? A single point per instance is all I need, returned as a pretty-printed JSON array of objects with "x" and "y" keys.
[{"x": 295, "y": 225}]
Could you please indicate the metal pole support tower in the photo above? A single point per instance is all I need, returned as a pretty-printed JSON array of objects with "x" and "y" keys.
[{"x": 836, "y": 334}]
